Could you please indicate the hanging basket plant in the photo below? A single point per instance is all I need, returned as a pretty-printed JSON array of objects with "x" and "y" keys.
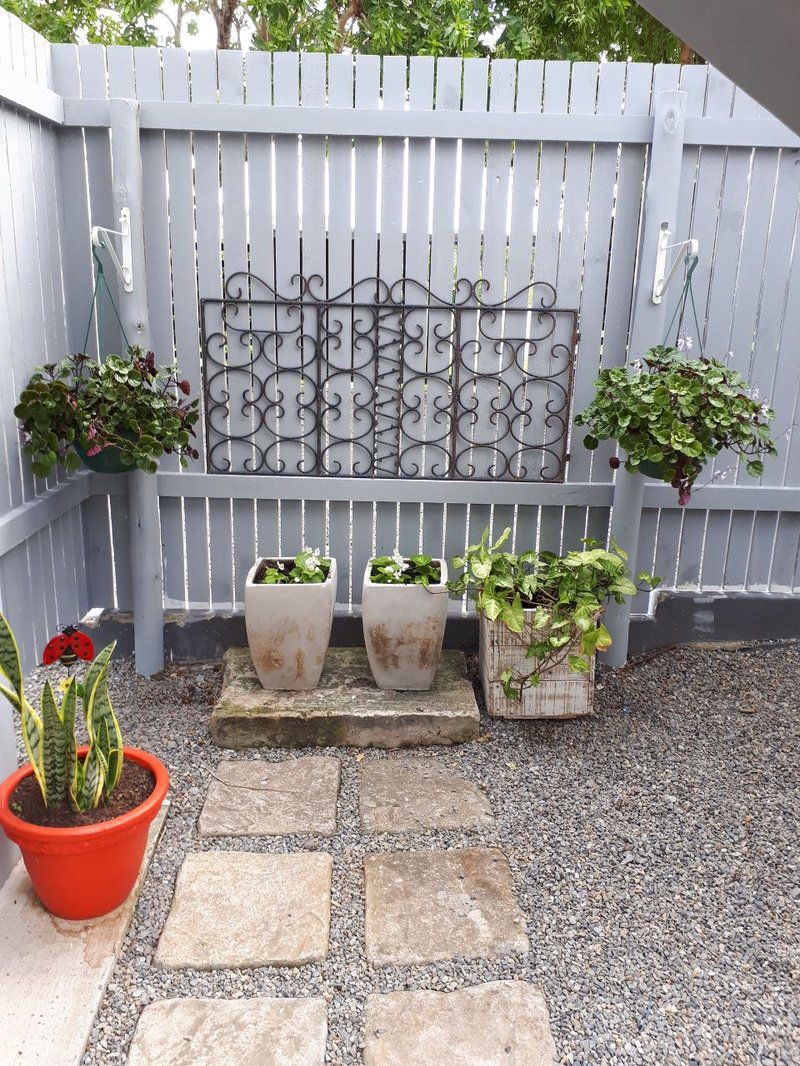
[
  {"x": 118, "y": 415},
  {"x": 671, "y": 414}
]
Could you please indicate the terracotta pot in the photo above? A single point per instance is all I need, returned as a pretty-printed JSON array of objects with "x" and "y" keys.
[
  {"x": 404, "y": 630},
  {"x": 88, "y": 871},
  {"x": 289, "y": 628}
]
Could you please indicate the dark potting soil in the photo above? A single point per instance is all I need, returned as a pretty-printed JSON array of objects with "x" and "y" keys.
[{"x": 134, "y": 786}]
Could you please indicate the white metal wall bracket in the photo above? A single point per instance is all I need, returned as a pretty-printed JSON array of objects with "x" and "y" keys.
[
  {"x": 662, "y": 276},
  {"x": 101, "y": 238}
]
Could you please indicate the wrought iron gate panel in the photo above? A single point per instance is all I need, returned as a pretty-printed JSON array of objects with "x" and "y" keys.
[{"x": 387, "y": 381}]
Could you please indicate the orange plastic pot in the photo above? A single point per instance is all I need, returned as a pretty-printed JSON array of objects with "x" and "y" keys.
[{"x": 88, "y": 871}]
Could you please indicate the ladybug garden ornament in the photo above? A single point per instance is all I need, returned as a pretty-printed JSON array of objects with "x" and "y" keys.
[{"x": 69, "y": 646}]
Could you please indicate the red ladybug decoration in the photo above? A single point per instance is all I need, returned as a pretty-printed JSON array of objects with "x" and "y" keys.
[{"x": 69, "y": 646}]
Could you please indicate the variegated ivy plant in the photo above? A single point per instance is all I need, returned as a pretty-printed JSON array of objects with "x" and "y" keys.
[{"x": 49, "y": 733}]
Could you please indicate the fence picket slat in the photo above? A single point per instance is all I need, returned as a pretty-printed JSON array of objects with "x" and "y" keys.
[
  {"x": 339, "y": 278},
  {"x": 468, "y": 263},
  {"x": 391, "y": 267},
  {"x": 366, "y": 171},
  {"x": 548, "y": 239},
  {"x": 209, "y": 574}
]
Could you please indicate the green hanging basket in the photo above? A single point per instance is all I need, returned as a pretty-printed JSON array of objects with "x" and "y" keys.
[
  {"x": 107, "y": 461},
  {"x": 653, "y": 470}
]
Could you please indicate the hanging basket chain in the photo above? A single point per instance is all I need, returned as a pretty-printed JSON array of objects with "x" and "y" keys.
[
  {"x": 95, "y": 307},
  {"x": 686, "y": 293}
]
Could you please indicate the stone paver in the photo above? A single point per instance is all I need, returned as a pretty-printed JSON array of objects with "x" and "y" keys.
[
  {"x": 426, "y": 906},
  {"x": 404, "y": 795},
  {"x": 238, "y": 909},
  {"x": 213, "y": 1032},
  {"x": 262, "y": 798},
  {"x": 503, "y": 1023},
  {"x": 347, "y": 708}
]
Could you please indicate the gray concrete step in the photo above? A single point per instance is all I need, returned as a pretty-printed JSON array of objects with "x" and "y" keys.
[{"x": 347, "y": 709}]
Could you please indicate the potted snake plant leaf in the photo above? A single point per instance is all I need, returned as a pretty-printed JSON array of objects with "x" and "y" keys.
[
  {"x": 404, "y": 611},
  {"x": 80, "y": 814},
  {"x": 541, "y": 623},
  {"x": 288, "y": 612}
]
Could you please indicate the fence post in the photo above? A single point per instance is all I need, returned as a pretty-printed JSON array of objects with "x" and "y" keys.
[
  {"x": 647, "y": 328},
  {"x": 145, "y": 530}
]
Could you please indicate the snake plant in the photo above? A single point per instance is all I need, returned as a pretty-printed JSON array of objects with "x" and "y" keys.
[{"x": 49, "y": 733}]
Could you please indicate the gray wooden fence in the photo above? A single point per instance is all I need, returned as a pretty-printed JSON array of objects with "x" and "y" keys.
[{"x": 349, "y": 167}]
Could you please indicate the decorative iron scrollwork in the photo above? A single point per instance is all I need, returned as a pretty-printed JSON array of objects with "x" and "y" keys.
[{"x": 385, "y": 380}]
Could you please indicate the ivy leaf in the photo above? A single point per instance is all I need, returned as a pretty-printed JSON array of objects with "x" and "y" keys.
[
  {"x": 513, "y": 615},
  {"x": 579, "y": 664},
  {"x": 507, "y": 681},
  {"x": 481, "y": 568},
  {"x": 491, "y": 607},
  {"x": 603, "y": 640}
]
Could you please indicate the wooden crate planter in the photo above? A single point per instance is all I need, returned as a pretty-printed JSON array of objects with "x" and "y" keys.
[{"x": 562, "y": 693}]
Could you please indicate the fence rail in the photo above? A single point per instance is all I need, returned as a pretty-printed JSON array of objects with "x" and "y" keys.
[
  {"x": 347, "y": 167},
  {"x": 764, "y": 132}
]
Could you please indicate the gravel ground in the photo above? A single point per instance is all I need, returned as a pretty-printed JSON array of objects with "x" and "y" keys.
[{"x": 653, "y": 848}]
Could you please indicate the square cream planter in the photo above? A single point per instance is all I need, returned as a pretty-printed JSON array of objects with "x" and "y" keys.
[
  {"x": 289, "y": 628},
  {"x": 562, "y": 693},
  {"x": 404, "y": 630}
]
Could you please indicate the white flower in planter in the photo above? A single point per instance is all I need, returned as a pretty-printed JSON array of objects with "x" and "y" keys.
[
  {"x": 312, "y": 559},
  {"x": 399, "y": 562}
]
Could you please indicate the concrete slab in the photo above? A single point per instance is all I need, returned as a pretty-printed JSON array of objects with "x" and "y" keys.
[
  {"x": 257, "y": 798},
  {"x": 251, "y": 1032},
  {"x": 347, "y": 709},
  {"x": 427, "y": 906},
  {"x": 53, "y": 973},
  {"x": 503, "y": 1022},
  {"x": 236, "y": 909},
  {"x": 407, "y": 794}
]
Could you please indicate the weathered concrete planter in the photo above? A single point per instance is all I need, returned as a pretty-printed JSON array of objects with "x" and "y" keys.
[
  {"x": 561, "y": 693},
  {"x": 403, "y": 631},
  {"x": 289, "y": 628}
]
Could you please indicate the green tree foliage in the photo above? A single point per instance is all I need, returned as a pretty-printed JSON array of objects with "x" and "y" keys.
[
  {"x": 65, "y": 21},
  {"x": 517, "y": 29},
  {"x": 585, "y": 30}
]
